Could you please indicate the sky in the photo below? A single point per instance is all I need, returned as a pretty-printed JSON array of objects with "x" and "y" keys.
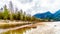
[{"x": 34, "y": 6}]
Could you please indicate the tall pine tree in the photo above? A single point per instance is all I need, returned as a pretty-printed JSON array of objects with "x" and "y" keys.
[{"x": 6, "y": 12}]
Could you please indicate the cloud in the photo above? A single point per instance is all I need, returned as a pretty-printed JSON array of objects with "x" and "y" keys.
[
  {"x": 42, "y": 6},
  {"x": 50, "y": 6},
  {"x": 4, "y": 2},
  {"x": 25, "y": 1},
  {"x": 35, "y": 6}
]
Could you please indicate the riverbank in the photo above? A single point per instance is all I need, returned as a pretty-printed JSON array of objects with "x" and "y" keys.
[
  {"x": 18, "y": 27},
  {"x": 11, "y": 24},
  {"x": 41, "y": 27},
  {"x": 47, "y": 28}
]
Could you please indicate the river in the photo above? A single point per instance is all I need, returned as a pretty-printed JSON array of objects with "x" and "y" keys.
[{"x": 46, "y": 28}]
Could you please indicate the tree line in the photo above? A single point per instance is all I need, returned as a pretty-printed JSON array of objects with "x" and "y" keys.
[{"x": 18, "y": 15}]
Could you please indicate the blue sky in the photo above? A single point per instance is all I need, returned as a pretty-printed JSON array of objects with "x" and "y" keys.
[{"x": 34, "y": 6}]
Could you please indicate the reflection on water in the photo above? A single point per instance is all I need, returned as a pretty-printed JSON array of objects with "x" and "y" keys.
[
  {"x": 47, "y": 28},
  {"x": 19, "y": 31}
]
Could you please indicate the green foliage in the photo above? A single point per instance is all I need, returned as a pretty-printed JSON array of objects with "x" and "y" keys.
[
  {"x": 6, "y": 12},
  {"x": 18, "y": 15},
  {"x": 1, "y": 15}
]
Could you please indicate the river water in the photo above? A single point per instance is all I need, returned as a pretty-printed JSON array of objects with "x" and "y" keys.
[
  {"x": 47, "y": 28},
  {"x": 18, "y": 31}
]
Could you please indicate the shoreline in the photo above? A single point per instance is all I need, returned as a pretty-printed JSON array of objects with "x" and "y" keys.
[{"x": 30, "y": 25}]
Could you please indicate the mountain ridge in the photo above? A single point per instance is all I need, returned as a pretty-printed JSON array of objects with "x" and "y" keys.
[{"x": 48, "y": 14}]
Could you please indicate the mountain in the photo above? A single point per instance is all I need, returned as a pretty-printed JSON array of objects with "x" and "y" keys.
[
  {"x": 43, "y": 15},
  {"x": 48, "y": 15},
  {"x": 57, "y": 15}
]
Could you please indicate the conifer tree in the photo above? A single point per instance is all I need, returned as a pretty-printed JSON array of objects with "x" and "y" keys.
[
  {"x": 6, "y": 12},
  {"x": 21, "y": 14}
]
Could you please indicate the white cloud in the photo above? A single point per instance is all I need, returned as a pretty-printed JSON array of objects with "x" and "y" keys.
[
  {"x": 51, "y": 6},
  {"x": 35, "y": 6},
  {"x": 25, "y": 1},
  {"x": 47, "y": 5}
]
